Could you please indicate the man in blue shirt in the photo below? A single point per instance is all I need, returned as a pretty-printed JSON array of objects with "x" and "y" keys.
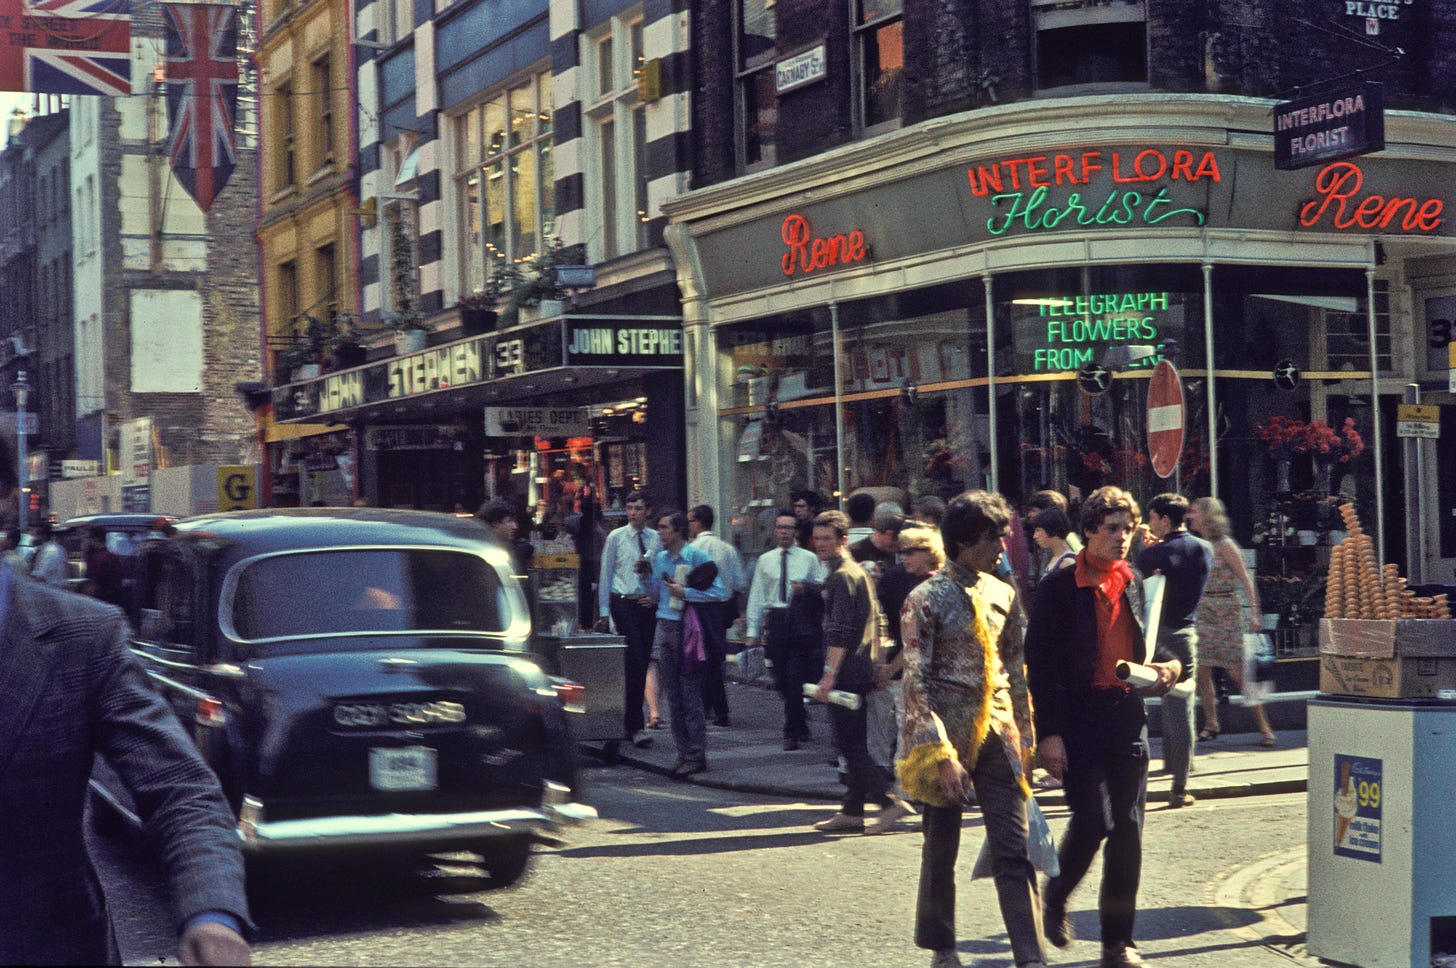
[
  {"x": 1184, "y": 560},
  {"x": 682, "y": 675}
]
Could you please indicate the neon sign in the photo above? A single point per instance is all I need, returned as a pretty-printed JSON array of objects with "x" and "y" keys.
[
  {"x": 1023, "y": 187},
  {"x": 1068, "y": 332},
  {"x": 1336, "y": 185},
  {"x": 806, "y": 253}
]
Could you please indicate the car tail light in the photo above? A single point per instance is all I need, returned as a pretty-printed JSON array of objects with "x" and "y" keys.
[
  {"x": 572, "y": 695},
  {"x": 210, "y": 712}
]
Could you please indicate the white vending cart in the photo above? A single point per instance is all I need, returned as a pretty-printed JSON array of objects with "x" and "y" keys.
[{"x": 1382, "y": 830}]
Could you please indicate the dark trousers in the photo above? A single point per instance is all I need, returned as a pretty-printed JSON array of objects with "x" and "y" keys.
[
  {"x": 795, "y": 662},
  {"x": 683, "y": 687},
  {"x": 1106, "y": 784},
  {"x": 1004, "y": 809},
  {"x": 864, "y": 779},
  {"x": 636, "y": 623}
]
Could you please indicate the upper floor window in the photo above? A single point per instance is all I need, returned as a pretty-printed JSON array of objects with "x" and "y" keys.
[
  {"x": 398, "y": 18},
  {"x": 504, "y": 179},
  {"x": 322, "y": 89},
  {"x": 758, "y": 108},
  {"x": 616, "y": 140},
  {"x": 1090, "y": 42},
  {"x": 879, "y": 39},
  {"x": 283, "y": 126},
  {"x": 326, "y": 282}
]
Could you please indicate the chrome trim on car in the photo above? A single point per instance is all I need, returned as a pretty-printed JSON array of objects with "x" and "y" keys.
[{"x": 260, "y": 836}]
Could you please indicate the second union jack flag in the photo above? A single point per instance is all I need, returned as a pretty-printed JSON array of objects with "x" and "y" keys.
[
  {"x": 202, "y": 96},
  {"x": 65, "y": 46}
]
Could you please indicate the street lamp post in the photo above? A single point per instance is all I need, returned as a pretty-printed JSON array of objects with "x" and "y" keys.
[{"x": 21, "y": 387}]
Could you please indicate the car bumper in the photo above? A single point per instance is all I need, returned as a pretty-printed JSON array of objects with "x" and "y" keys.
[{"x": 428, "y": 831}]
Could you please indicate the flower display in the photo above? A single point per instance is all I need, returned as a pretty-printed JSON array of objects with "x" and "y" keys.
[
  {"x": 1283, "y": 436},
  {"x": 1327, "y": 445}
]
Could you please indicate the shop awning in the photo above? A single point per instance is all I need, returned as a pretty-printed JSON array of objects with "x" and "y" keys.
[{"x": 276, "y": 432}]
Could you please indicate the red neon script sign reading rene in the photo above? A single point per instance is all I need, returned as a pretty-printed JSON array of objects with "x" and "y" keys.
[
  {"x": 807, "y": 253},
  {"x": 1336, "y": 186}
]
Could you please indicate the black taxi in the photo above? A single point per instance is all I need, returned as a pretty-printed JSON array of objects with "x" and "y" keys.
[{"x": 358, "y": 678}]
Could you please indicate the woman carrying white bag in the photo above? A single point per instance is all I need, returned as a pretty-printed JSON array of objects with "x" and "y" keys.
[{"x": 1223, "y": 623}]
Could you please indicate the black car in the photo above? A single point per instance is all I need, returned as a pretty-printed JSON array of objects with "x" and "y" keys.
[
  {"x": 125, "y": 534},
  {"x": 358, "y": 679}
]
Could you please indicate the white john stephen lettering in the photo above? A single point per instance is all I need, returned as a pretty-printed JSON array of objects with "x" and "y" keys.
[{"x": 608, "y": 341}]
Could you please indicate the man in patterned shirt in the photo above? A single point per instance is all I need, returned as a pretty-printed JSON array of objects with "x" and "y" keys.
[{"x": 968, "y": 723}]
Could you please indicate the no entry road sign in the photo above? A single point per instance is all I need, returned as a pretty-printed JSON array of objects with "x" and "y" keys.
[{"x": 1165, "y": 418}]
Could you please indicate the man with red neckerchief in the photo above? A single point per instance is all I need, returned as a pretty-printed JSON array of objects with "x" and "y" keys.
[{"x": 1090, "y": 726}]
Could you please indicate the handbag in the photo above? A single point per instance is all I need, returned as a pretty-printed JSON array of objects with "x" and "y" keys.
[{"x": 1041, "y": 849}]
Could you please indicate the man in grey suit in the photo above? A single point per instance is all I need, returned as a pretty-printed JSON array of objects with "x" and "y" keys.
[{"x": 69, "y": 689}]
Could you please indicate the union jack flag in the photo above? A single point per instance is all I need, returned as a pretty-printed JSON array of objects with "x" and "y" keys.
[
  {"x": 65, "y": 46},
  {"x": 202, "y": 96}
]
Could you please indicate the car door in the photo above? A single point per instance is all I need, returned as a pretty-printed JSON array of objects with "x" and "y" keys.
[{"x": 173, "y": 641}]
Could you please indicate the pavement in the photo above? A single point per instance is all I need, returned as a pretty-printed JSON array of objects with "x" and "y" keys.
[{"x": 747, "y": 756}]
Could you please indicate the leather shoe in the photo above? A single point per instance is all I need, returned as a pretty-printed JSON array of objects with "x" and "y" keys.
[
  {"x": 1121, "y": 956},
  {"x": 722, "y": 720},
  {"x": 1179, "y": 798},
  {"x": 890, "y": 815},
  {"x": 791, "y": 742},
  {"x": 841, "y": 823},
  {"x": 1056, "y": 926},
  {"x": 642, "y": 739},
  {"x": 687, "y": 768},
  {"x": 946, "y": 958}
]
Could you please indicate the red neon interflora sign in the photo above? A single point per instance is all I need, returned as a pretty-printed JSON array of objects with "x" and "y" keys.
[
  {"x": 807, "y": 253},
  {"x": 1337, "y": 185}
]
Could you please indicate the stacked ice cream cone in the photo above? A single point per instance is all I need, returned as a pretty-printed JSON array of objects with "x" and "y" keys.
[{"x": 1357, "y": 588}]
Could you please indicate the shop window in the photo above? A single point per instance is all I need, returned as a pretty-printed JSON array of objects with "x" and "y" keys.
[
  {"x": 1084, "y": 42},
  {"x": 504, "y": 179},
  {"x": 616, "y": 136},
  {"x": 757, "y": 99},
  {"x": 879, "y": 38}
]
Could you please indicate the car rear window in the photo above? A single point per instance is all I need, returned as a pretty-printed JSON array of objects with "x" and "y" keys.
[{"x": 370, "y": 590}]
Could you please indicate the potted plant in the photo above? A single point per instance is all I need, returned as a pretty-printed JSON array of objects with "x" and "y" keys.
[
  {"x": 477, "y": 312},
  {"x": 410, "y": 335},
  {"x": 346, "y": 346},
  {"x": 535, "y": 288}
]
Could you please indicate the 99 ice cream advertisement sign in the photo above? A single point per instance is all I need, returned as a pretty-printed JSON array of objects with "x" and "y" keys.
[{"x": 1357, "y": 807}]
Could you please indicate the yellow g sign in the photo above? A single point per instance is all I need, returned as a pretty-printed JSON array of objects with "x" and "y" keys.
[{"x": 237, "y": 488}]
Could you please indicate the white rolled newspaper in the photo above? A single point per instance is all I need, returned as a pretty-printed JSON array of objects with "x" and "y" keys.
[{"x": 849, "y": 700}]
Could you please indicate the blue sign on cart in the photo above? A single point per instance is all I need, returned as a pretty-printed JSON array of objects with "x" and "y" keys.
[{"x": 1358, "y": 807}]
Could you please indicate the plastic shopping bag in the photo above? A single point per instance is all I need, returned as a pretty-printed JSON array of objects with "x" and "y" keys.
[
  {"x": 1258, "y": 669},
  {"x": 1040, "y": 846}
]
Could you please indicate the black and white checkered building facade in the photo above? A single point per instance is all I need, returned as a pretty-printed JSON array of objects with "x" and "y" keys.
[{"x": 410, "y": 94}]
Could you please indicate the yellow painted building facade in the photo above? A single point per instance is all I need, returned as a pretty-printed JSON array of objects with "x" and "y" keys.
[{"x": 308, "y": 229}]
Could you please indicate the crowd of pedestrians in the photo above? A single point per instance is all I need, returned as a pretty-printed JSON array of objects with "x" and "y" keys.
[{"x": 958, "y": 648}]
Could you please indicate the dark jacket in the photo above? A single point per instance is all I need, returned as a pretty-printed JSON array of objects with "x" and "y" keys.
[
  {"x": 69, "y": 689},
  {"x": 1061, "y": 648}
]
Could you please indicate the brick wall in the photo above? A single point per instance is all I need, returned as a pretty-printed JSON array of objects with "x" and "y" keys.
[{"x": 965, "y": 54}]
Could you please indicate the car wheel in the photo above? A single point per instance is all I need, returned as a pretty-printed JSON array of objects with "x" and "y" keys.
[{"x": 506, "y": 860}]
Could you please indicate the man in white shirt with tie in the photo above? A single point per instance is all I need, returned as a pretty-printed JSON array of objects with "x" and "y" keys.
[
  {"x": 622, "y": 597},
  {"x": 780, "y": 574}
]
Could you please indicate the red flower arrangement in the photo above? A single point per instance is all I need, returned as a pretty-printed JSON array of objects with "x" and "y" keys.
[
  {"x": 1326, "y": 445},
  {"x": 1351, "y": 445},
  {"x": 1284, "y": 436}
]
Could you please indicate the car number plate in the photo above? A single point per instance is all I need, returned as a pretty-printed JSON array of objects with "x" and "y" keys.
[{"x": 402, "y": 768}]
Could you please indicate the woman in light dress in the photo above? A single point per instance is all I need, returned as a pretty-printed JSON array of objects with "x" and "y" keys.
[{"x": 1221, "y": 620}]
